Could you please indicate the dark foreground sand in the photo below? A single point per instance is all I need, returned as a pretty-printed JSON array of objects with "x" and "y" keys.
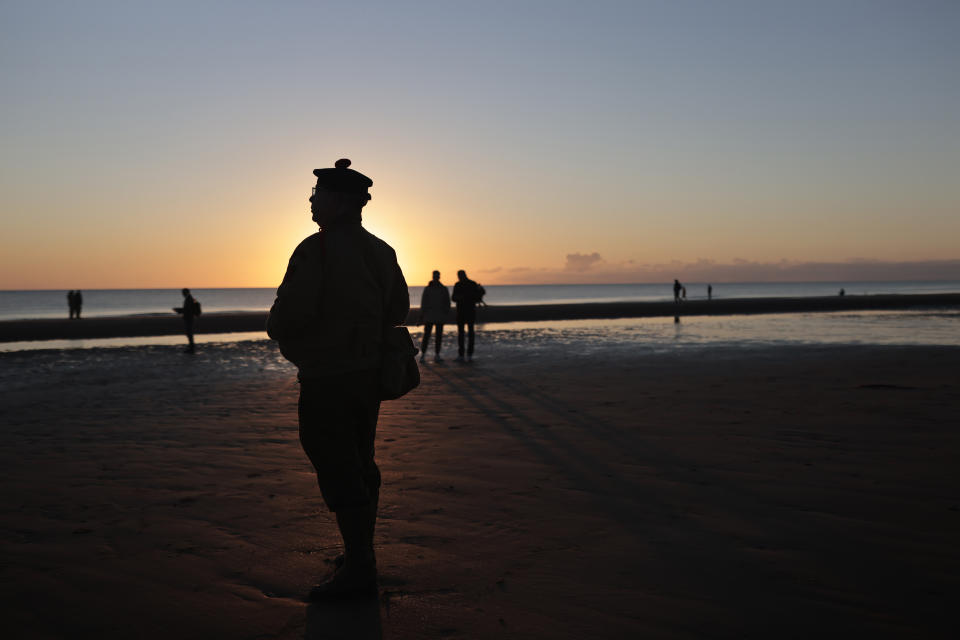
[
  {"x": 783, "y": 493},
  {"x": 171, "y": 324}
]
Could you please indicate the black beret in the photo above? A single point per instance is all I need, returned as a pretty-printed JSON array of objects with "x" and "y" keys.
[{"x": 343, "y": 179}]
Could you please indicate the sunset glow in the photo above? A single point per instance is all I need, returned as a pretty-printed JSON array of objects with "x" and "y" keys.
[{"x": 173, "y": 145}]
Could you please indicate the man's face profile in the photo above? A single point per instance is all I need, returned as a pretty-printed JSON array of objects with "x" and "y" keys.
[{"x": 324, "y": 205}]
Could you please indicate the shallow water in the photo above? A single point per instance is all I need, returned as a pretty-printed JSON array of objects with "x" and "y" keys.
[
  {"x": 930, "y": 327},
  {"x": 937, "y": 327}
]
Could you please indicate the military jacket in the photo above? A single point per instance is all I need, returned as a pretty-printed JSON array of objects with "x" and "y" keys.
[{"x": 342, "y": 288}]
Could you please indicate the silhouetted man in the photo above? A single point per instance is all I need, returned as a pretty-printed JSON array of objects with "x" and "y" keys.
[
  {"x": 189, "y": 311},
  {"x": 434, "y": 308},
  {"x": 466, "y": 293},
  {"x": 71, "y": 304},
  {"x": 709, "y": 292},
  {"x": 676, "y": 290},
  {"x": 342, "y": 289},
  {"x": 77, "y": 303}
]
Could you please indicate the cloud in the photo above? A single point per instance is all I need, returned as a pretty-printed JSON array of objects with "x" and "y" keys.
[
  {"x": 592, "y": 269},
  {"x": 581, "y": 261},
  {"x": 741, "y": 270}
]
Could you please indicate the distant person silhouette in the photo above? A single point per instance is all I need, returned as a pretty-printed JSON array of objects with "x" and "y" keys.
[
  {"x": 342, "y": 289},
  {"x": 709, "y": 292},
  {"x": 467, "y": 294},
  {"x": 434, "y": 308},
  {"x": 78, "y": 302},
  {"x": 189, "y": 310},
  {"x": 842, "y": 292},
  {"x": 676, "y": 290},
  {"x": 71, "y": 303}
]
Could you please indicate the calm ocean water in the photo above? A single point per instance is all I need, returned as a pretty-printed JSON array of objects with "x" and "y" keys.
[{"x": 118, "y": 302}]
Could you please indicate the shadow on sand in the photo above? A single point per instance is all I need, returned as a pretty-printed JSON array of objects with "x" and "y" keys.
[{"x": 347, "y": 619}]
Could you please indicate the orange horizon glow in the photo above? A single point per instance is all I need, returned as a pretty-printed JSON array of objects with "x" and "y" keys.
[{"x": 633, "y": 144}]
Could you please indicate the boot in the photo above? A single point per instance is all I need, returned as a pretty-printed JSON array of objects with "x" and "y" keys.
[
  {"x": 357, "y": 576},
  {"x": 374, "y": 503}
]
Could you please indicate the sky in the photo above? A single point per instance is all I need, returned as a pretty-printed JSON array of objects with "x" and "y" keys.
[{"x": 172, "y": 144}]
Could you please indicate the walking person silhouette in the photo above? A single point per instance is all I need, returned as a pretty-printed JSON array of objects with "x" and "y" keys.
[
  {"x": 434, "y": 308},
  {"x": 342, "y": 288},
  {"x": 189, "y": 311},
  {"x": 467, "y": 294}
]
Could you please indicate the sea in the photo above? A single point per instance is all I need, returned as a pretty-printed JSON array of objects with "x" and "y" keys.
[
  {"x": 19, "y": 305},
  {"x": 930, "y": 326}
]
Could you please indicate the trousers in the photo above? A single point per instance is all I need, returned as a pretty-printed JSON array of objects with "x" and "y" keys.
[
  {"x": 466, "y": 317},
  {"x": 425, "y": 343},
  {"x": 188, "y": 329},
  {"x": 338, "y": 425}
]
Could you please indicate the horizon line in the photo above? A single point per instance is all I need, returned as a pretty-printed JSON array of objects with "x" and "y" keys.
[{"x": 521, "y": 284}]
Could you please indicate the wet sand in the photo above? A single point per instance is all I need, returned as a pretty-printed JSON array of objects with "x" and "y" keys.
[
  {"x": 789, "y": 492},
  {"x": 161, "y": 325}
]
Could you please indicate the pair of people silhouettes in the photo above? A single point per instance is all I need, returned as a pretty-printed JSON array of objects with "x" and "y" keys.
[
  {"x": 75, "y": 303},
  {"x": 435, "y": 309},
  {"x": 677, "y": 290}
]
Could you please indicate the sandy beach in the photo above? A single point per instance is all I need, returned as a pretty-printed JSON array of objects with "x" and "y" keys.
[
  {"x": 171, "y": 324},
  {"x": 785, "y": 492}
]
